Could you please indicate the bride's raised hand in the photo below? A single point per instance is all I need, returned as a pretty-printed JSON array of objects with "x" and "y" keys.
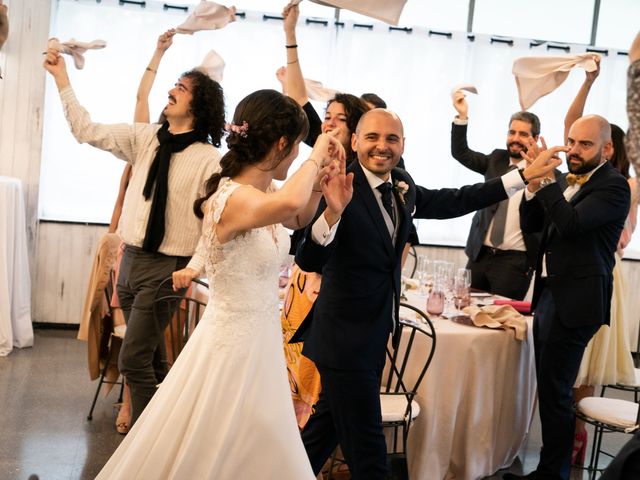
[{"x": 330, "y": 154}]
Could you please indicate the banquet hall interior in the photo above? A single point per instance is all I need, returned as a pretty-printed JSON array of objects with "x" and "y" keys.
[{"x": 57, "y": 196}]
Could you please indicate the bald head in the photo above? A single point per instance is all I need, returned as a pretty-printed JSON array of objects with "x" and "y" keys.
[
  {"x": 596, "y": 123},
  {"x": 590, "y": 144},
  {"x": 379, "y": 141},
  {"x": 382, "y": 112}
]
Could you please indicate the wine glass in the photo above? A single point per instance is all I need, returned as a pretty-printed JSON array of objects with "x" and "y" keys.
[{"x": 462, "y": 284}]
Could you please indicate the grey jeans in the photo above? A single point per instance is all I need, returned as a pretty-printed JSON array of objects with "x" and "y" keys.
[{"x": 142, "y": 356}]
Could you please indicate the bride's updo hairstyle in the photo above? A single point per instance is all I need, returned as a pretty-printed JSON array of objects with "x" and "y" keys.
[{"x": 260, "y": 120}]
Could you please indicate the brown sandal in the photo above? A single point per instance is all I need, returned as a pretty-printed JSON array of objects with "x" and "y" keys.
[{"x": 123, "y": 421}]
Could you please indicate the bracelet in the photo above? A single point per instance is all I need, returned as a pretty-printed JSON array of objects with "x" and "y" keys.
[
  {"x": 314, "y": 163},
  {"x": 295, "y": 45},
  {"x": 295, "y": 61},
  {"x": 149, "y": 69}
]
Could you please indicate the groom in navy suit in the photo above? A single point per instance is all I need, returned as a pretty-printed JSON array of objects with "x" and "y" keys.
[{"x": 356, "y": 243}]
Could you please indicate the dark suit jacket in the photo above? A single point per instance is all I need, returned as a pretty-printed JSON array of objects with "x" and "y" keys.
[
  {"x": 352, "y": 316},
  {"x": 490, "y": 166},
  {"x": 579, "y": 241}
]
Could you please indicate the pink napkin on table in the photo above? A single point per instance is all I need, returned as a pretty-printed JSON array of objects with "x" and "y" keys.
[
  {"x": 521, "y": 306},
  {"x": 75, "y": 49},
  {"x": 385, "y": 10},
  {"x": 498, "y": 316},
  {"x": 207, "y": 16},
  {"x": 539, "y": 76}
]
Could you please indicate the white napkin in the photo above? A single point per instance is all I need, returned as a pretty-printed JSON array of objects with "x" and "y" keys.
[
  {"x": 212, "y": 65},
  {"x": 207, "y": 16},
  {"x": 75, "y": 49},
  {"x": 467, "y": 87},
  {"x": 385, "y": 10},
  {"x": 539, "y": 76},
  {"x": 316, "y": 91}
]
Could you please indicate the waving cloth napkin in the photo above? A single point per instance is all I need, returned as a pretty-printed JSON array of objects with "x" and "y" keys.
[
  {"x": 539, "y": 76},
  {"x": 75, "y": 49},
  {"x": 207, "y": 16},
  {"x": 316, "y": 91},
  {"x": 498, "y": 316},
  {"x": 385, "y": 10},
  {"x": 212, "y": 65}
]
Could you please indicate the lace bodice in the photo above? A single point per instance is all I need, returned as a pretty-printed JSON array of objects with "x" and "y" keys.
[{"x": 243, "y": 272}]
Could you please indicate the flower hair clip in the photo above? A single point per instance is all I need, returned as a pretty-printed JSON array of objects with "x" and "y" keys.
[
  {"x": 239, "y": 129},
  {"x": 401, "y": 189}
]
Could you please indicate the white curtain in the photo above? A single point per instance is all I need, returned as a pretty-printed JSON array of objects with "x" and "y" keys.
[{"x": 414, "y": 73}]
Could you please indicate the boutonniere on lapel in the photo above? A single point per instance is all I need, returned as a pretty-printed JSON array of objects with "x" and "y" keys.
[{"x": 401, "y": 189}]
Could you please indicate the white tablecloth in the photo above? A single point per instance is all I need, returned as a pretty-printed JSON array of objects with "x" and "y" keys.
[
  {"x": 476, "y": 403},
  {"x": 15, "y": 285}
]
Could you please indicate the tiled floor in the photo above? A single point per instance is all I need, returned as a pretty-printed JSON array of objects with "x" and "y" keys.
[{"x": 45, "y": 395}]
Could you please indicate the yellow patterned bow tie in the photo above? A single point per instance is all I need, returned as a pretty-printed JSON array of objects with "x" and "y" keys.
[{"x": 573, "y": 179}]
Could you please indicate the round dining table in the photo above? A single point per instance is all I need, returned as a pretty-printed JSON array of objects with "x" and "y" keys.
[{"x": 476, "y": 401}]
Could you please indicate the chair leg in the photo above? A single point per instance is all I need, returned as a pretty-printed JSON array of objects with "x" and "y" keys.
[
  {"x": 100, "y": 382},
  {"x": 598, "y": 449}
]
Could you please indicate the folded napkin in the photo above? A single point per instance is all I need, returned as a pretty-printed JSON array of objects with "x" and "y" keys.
[
  {"x": 498, "y": 316},
  {"x": 385, "y": 10},
  {"x": 207, "y": 16},
  {"x": 520, "y": 305},
  {"x": 75, "y": 49},
  {"x": 539, "y": 76},
  {"x": 212, "y": 66}
]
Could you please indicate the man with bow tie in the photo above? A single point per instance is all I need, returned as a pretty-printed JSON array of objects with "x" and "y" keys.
[
  {"x": 356, "y": 243},
  {"x": 580, "y": 228}
]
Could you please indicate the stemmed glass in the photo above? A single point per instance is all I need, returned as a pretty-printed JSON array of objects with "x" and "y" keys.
[
  {"x": 435, "y": 302},
  {"x": 423, "y": 273},
  {"x": 462, "y": 284}
]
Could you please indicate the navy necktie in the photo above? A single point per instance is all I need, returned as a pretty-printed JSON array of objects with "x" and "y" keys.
[{"x": 387, "y": 200}]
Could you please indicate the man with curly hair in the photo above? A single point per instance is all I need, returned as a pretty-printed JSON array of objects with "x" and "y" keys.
[{"x": 170, "y": 164}]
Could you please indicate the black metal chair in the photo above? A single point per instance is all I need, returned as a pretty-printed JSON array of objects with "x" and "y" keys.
[
  {"x": 400, "y": 381},
  {"x": 109, "y": 348},
  {"x": 607, "y": 415},
  {"x": 399, "y": 387},
  {"x": 180, "y": 311}
]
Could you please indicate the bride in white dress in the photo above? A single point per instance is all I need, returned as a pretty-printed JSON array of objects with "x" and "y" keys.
[{"x": 225, "y": 409}]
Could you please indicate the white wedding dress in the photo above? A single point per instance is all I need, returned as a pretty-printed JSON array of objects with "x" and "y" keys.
[{"x": 225, "y": 409}]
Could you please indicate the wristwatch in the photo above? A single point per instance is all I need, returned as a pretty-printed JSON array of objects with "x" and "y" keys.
[{"x": 546, "y": 181}]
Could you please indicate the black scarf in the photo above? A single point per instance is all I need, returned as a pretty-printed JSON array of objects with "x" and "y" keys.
[{"x": 159, "y": 174}]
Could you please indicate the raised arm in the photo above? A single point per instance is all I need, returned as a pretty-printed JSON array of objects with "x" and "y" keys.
[
  {"x": 577, "y": 106},
  {"x": 149, "y": 75},
  {"x": 249, "y": 208},
  {"x": 294, "y": 81},
  {"x": 118, "y": 139},
  {"x": 476, "y": 161}
]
